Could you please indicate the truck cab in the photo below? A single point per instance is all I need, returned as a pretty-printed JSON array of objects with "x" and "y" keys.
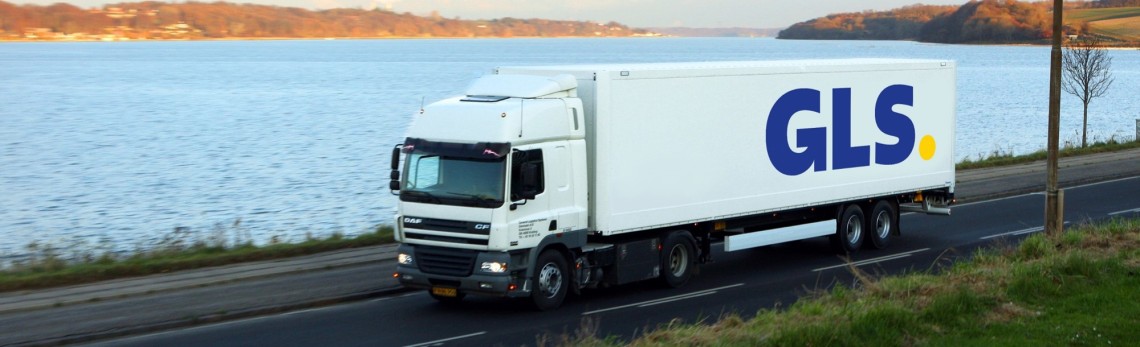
[{"x": 488, "y": 181}]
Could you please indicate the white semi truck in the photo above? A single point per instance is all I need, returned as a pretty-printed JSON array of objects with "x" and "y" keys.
[{"x": 544, "y": 180}]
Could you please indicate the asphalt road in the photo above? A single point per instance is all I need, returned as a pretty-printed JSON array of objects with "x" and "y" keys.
[{"x": 738, "y": 282}]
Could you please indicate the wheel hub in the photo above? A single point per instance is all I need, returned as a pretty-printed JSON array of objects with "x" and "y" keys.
[
  {"x": 883, "y": 225},
  {"x": 854, "y": 229},
  {"x": 549, "y": 280},
  {"x": 678, "y": 260}
]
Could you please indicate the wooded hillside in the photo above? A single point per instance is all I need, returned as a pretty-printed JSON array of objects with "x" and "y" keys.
[
  {"x": 985, "y": 21},
  {"x": 991, "y": 21},
  {"x": 898, "y": 24},
  {"x": 193, "y": 20}
]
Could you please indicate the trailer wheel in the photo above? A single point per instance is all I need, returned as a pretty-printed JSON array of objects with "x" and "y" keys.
[
  {"x": 883, "y": 222},
  {"x": 849, "y": 231},
  {"x": 550, "y": 281},
  {"x": 677, "y": 259}
]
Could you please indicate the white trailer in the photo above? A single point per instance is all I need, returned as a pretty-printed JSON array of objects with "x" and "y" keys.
[{"x": 544, "y": 180}]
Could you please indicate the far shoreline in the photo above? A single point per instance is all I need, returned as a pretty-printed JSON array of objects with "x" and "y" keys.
[{"x": 2, "y": 40}]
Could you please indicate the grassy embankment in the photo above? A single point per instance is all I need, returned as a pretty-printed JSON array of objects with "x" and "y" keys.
[
  {"x": 47, "y": 268},
  {"x": 1003, "y": 158},
  {"x": 1077, "y": 288},
  {"x": 1120, "y": 23}
]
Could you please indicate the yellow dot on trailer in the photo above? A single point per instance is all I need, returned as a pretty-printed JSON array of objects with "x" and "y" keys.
[{"x": 926, "y": 147}]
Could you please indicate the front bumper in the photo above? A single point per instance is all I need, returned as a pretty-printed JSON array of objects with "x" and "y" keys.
[{"x": 505, "y": 284}]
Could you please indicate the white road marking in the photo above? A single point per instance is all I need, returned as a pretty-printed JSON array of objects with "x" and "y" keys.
[
  {"x": 1104, "y": 182},
  {"x": 1125, "y": 211},
  {"x": 1043, "y": 192},
  {"x": 874, "y": 260},
  {"x": 665, "y": 299},
  {"x": 679, "y": 299},
  {"x": 397, "y": 297},
  {"x": 1015, "y": 232},
  {"x": 304, "y": 311},
  {"x": 441, "y": 341},
  {"x": 1018, "y": 232},
  {"x": 987, "y": 201}
]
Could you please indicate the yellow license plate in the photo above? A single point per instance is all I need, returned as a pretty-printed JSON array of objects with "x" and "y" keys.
[{"x": 445, "y": 291}]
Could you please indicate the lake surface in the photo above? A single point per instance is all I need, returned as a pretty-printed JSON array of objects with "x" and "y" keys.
[{"x": 115, "y": 146}]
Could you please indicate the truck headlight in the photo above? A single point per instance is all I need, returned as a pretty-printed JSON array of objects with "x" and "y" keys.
[
  {"x": 404, "y": 258},
  {"x": 494, "y": 266}
]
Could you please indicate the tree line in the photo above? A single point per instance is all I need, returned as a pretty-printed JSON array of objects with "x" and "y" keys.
[
  {"x": 152, "y": 19},
  {"x": 898, "y": 24},
  {"x": 1114, "y": 3},
  {"x": 976, "y": 21}
]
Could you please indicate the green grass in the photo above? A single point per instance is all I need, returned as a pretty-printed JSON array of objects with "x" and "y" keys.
[
  {"x": 1121, "y": 23},
  {"x": 1003, "y": 158},
  {"x": 47, "y": 269},
  {"x": 1098, "y": 14},
  {"x": 1077, "y": 288},
  {"x": 1124, "y": 29}
]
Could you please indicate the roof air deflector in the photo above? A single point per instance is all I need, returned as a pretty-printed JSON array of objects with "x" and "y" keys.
[
  {"x": 484, "y": 98},
  {"x": 522, "y": 86}
]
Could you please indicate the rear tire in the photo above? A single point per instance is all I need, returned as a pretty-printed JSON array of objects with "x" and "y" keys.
[
  {"x": 849, "y": 230},
  {"x": 551, "y": 280},
  {"x": 678, "y": 259},
  {"x": 883, "y": 222}
]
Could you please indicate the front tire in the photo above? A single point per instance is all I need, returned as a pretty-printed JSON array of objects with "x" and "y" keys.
[
  {"x": 849, "y": 230},
  {"x": 884, "y": 221},
  {"x": 550, "y": 280},
  {"x": 678, "y": 259}
]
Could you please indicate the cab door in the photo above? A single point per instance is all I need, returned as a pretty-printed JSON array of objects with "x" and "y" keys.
[{"x": 529, "y": 216}]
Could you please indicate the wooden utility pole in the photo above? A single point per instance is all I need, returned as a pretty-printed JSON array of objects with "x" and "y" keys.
[{"x": 1054, "y": 197}]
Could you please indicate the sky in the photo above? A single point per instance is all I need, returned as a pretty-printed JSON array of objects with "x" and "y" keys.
[{"x": 635, "y": 13}]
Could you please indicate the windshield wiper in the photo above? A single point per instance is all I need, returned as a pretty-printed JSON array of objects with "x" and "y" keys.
[
  {"x": 478, "y": 198},
  {"x": 429, "y": 197}
]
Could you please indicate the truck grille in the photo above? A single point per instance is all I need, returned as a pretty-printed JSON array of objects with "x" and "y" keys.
[
  {"x": 471, "y": 233},
  {"x": 445, "y": 261},
  {"x": 446, "y": 225}
]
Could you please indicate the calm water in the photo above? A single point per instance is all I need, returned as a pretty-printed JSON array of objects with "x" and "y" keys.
[{"x": 112, "y": 146}]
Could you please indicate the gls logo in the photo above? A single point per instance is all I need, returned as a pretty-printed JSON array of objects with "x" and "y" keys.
[{"x": 844, "y": 156}]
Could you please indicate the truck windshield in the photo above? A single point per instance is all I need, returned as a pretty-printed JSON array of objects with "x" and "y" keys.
[{"x": 454, "y": 174}]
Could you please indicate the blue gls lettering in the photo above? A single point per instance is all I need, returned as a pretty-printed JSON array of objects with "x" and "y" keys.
[
  {"x": 814, "y": 140},
  {"x": 845, "y": 156},
  {"x": 894, "y": 124},
  {"x": 786, "y": 160}
]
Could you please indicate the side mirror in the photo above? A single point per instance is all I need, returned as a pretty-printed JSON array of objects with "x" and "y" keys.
[
  {"x": 396, "y": 157},
  {"x": 394, "y": 176}
]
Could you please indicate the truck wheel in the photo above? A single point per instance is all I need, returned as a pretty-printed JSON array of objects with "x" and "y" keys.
[
  {"x": 849, "y": 231},
  {"x": 550, "y": 280},
  {"x": 677, "y": 259},
  {"x": 883, "y": 222}
]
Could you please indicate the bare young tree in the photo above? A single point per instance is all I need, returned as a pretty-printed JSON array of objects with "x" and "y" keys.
[{"x": 1085, "y": 65}]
